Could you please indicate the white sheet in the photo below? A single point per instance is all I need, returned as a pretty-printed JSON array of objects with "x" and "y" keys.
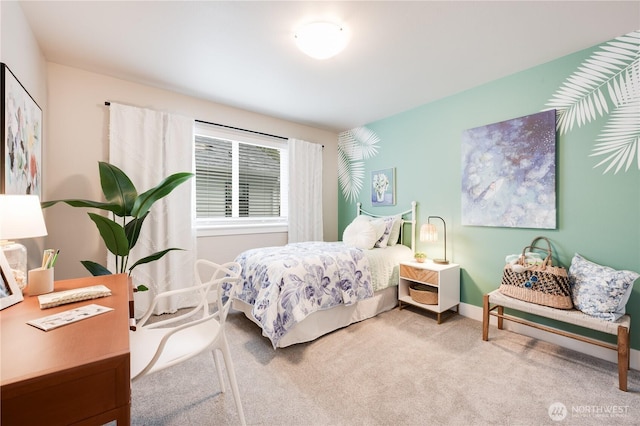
[{"x": 384, "y": 264}]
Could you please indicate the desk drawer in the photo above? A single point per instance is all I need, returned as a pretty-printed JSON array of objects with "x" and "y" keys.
[
  {"x": 418, "y": 274},
  {"x": 94, "y": 391}
]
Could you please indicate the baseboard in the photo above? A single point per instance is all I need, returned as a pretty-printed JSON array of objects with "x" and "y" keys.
[{"x": 475, "y": 312}]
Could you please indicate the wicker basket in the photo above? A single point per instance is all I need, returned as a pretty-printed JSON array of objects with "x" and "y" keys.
[{"x": 423, "y": 294}]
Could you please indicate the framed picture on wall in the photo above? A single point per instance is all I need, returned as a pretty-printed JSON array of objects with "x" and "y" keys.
[
  {"x": 21, "y": 136},
  {"x": 509, "y": 173},
  {"x": 383, "y": 187}
]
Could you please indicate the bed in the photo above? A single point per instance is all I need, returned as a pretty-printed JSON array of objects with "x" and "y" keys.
[{"x": 301, "y": 291}]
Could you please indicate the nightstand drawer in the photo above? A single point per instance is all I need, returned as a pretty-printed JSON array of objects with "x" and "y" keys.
[{"x": 419, "y": 274}]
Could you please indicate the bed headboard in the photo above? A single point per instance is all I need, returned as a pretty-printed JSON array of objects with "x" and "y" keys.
[{"x": 408, "y": 218}]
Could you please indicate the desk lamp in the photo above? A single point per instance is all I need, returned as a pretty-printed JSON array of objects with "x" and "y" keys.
[
  {"x": 428, "y": 232},
  {"x": 20, "y": 217}
]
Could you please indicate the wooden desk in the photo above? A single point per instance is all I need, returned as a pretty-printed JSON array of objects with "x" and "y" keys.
[{"x": 75, "y": 374}]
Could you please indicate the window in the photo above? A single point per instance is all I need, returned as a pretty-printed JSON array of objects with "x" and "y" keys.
[{"x": 241, "y": 182}]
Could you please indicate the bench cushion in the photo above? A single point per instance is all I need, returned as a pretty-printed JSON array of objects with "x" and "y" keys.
[{"x": 570, "y": 316}]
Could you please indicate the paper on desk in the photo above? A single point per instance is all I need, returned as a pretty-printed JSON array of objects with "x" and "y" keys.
[{"x": 67, "y": 317}]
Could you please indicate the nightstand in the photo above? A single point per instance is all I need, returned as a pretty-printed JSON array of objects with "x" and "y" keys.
[{"x": 444, "y": 279}]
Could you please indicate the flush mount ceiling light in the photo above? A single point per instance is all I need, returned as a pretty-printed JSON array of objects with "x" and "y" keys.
[{"x": 321, "y": 40}]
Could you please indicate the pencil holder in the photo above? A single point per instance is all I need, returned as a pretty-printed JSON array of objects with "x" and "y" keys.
[{"x": 40, "y": 281}]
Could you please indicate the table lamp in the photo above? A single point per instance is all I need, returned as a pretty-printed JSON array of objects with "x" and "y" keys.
[
  {"x": 428, "y": 232},
  {"x": 20, "y": 217}
]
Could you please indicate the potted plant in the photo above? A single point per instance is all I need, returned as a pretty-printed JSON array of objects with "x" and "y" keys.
[
  {"x": 420, "y": 257},
  {"x": 128, "y": 211}
]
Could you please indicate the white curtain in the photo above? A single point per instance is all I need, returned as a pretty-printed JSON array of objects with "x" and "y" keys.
[
  {"x": 305, "y": 191},
  {"x": 149, "y": 146}
]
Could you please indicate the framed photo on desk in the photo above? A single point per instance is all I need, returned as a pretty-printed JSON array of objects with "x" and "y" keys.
[{"x": 10, "y": 293}]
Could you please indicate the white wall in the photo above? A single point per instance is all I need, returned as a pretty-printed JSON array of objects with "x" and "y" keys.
[
  {"x": 20, "y": 52},
  {"x": 78, "y": 139}
]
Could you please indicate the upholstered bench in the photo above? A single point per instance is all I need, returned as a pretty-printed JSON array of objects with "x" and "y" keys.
[{"x": 495, "y": 302}]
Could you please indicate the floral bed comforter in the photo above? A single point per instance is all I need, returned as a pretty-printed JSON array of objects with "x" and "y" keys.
[{"x": 286, "y": 284}]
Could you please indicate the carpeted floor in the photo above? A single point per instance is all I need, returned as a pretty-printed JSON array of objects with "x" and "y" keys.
[{"x": 400, "y": 368}]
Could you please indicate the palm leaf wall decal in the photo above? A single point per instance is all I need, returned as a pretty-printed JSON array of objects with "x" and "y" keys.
[
  {"x": 620, "y": 139},
  {"x": 350, "y": 176},
  {"x": 608, "y": 80},
  {"x": 354, "y": 146}
]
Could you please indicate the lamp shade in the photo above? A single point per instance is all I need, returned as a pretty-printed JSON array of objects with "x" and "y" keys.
[
  {"x": 428, "y": 232},
  {"x": 321, "y": 40},
  {"x": 21, "y": 217}
]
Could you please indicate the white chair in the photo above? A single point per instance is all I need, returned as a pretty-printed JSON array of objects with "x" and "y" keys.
[{"x": 165, "y": 343}]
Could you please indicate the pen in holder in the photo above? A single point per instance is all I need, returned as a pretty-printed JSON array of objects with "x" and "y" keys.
[{"x": 40, "y": 281}]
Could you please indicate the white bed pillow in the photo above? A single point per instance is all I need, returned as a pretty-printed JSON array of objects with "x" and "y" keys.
[
  {"x": 394, "y": 235},
  {"x": 361, "y": 233},
  {"x": 386, "y": 224},
  {"x": 379, "y": 226}
]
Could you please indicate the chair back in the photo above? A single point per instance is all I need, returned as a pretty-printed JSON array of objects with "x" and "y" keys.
[
  {"x": 223, "y": 279},
  {"x": 210, "y": 278}
]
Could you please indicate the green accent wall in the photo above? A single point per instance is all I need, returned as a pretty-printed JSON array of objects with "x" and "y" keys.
[{"x": 598, "y": 214}]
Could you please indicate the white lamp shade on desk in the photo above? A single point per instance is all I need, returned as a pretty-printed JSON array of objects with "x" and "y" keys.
[{"x": 21, "y": 217}]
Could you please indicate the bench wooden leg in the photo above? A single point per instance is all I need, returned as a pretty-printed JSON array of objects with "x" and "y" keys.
[
  {"x": 623, "y": 357},
  {"x": 485, "y": 317},
  {"x": 500, "y": 318}
]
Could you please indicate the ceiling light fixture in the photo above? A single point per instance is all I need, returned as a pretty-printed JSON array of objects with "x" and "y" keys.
[{"x": 321, "y": 40}]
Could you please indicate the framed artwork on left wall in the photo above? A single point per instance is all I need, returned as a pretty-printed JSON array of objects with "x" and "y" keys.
[{"x": 21, "y": 138}]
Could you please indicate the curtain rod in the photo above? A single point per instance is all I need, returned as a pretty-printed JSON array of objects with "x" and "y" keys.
[
  {"x": 107, "y": 103},
  {"x": 243, "y": 130}
]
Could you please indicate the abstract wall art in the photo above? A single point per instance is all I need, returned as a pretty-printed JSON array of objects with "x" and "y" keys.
[
  {"x": 21, "y": 136},
  {"x": 509, "y": 173}
]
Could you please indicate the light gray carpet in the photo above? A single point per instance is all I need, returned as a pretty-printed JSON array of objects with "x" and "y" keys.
[{"x": 398, "y": 368}]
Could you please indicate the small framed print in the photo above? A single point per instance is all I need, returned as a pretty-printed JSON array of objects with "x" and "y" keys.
[
  {"x": 10, "y": 293},
  {"x": 383, "y": 187}
]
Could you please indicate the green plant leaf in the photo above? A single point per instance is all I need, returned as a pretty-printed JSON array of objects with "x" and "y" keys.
[
  {"x": 146, "y": 199},
  {"x": 132, "y": 229},
  {"x": 117, "y": 188},
  {"x": 112, "y": 234},
  {"x": 94, "y": 268},
  {"x": 83, "y": 203},
  {"x": 152, "y": 257}
]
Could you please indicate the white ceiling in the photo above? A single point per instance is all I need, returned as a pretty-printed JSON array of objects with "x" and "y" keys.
[{"x": 401, "y": 54}]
